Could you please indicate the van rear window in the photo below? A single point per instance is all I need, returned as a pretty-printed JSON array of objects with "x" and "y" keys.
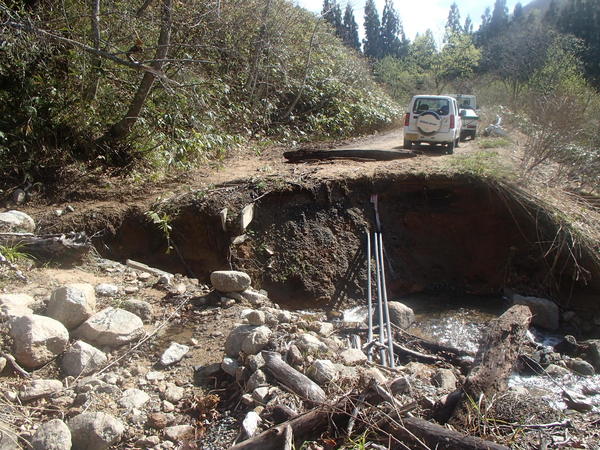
[{"x": 439, "y": 105}]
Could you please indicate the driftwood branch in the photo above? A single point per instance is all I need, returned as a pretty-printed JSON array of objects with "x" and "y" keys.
[
  {"x": 15, "y": 365},
  {"x": 297, "y": 382}
]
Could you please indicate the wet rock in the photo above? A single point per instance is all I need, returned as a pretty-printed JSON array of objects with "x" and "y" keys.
[
  {"x": 230, "y": 281},
  {"x": 568, "y": 346},
  {"x": 229, "y": 366},
  {"x": 16, "y": 222},
  {"x": 52, "y": 435},
  {"x": 556, "y": 371},
  {"x": 256, "y": 318},
  {"x": 173, "y": 393},
  {"x": 322, "y": 371},
  {"x": 353, "y": 357},
  {"x": 72, "y": 304},
  {"x": 256, "y": 380},
  {"x": 82, "y": 359},
  {"x": 310, "y": 344},
  {"x": 107, "y": 290},
  {"x": 545, "y": 312},
  {"x": 95, "y": 431},
  {"x": 133, "y": 398},
  {"x": 40, "y": 388},
  {"x": 15, "y": 305},
  {"x": 110, "y": 327},
  {"x": 580, "y": 366},
  {"x": 444, "y": 379},
  {"x": 37, "y": 339},
  {"x": 140, "y": 308},
  {"x": 173, "y": 354},
  {"x": 249, "y": 339},
  {"x": 179, "y": 432},
  {"x": 400, "y": 314},
  {"x": 576, "y": 402}
]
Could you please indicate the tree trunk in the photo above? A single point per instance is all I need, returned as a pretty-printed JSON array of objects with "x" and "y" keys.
[
  {"x": 122, "y": 128},
  {"x": 94, "y": 77}
]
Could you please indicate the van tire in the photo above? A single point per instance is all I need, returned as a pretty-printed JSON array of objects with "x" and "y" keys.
[
  {"x": 407, "y": 144},
  {"x": 450, "y": 148}
]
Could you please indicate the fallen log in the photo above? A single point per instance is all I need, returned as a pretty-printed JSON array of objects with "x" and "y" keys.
[
  {"x": 494, "y": 361},
  {"x": 376, "y": 155},
  {"x": 297, "y": 382},
  {"x": 418, "y": 432},
  {"x": 62, "y": 248}
]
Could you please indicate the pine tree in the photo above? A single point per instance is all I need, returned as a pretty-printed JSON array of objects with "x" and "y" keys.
[
  {"x": 468, "y": 27},
  {"x": 453, "y": 25},
  {"x": 350, "y": 29},
  {"x": 499, "y": 19},
  {"x": 518, "y": 16},
  {"x": 551, "y": 16},
  {"x": 332, "y": 13},
  {"x": 372, "y": 40},
  {"x": 393, "y": 40}
]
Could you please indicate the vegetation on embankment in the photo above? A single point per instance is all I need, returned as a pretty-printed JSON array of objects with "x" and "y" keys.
[{"x": 171, "y": 84}]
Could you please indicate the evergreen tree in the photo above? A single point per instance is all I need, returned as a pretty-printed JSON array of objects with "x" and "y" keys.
[
  {"x": 372, "y": 40},
  {"x": 453, "y": 25},
  {"x": 499, "y": 20},
  {"x": 350, "y": 29},
  {"x": 468, "y": 27},
  {"x": 393, "y": 40},
  {"x": 518, "y": 16},
  {"x": 551, "y": 16},
  {"x": 332, "y": 13}
]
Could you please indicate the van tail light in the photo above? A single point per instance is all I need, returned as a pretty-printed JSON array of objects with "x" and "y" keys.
[
  {"x": 407, "y": 119},
  {"x": 452, "y": 121}
]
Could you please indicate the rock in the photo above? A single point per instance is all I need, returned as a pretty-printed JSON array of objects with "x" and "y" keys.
[
  {"x": 40, "y": 388},
  {"x": 556, "y": 371},
  {"x": 400, "y": 385},
  {"x": 230, "y": 281},
  {"x": 107, "y": 290},
  {"x": 310, "y": 344},
  {"x": 260, "y": 394},
  {"x": 72, "y": 304},
  {"x": 256, "y": 380},
  {"x": 325, "y": 328},
  {"x": 373, "y": 373},
  {"x": 255, "y": 362},
  {"x": 140, "y": 308},
  {"x": 154, "y": 375},
  {"x": 147, "y": 442},
  {"x": 16, "y": 222},
  {"x": 322, "y": 371},
  {"x": 256, "y": 318},
  {"x": 202, "y": 373},
  {"x": 2, "y": 363},
  {"x": 545, "y": 312},
  {"x": 167, "y": 406},
  {"x": 95, "y": 431},
  {"x": 173, "y": 393},
  {"x": 229, "y": 366},
  {"x": 82, "y": 359},
  {"x": 15, "y": 305},
  {"x": 568, "y": 346},
  {"x": 37, "y": 339},
  {"x": 227, "y": 302},
  {"x": 577, "y": 402},
  {"x": 246, "y": 216},
  {"x": 255, "y": 298},
  {"x": 400, "y": 314},
  {"x": 249, "y": 339},
  {"x": 158, "y": 420},
  {"x": 52, "y": 435},
  {"x": 294, "y": 356},
  {"x": 580, "y": 366},
  {"x": 353, "y": 357},
  {"x": 133, "y": 398},
  {"x": 110, "y": 327},
  {"x": 250, "y": 423},
  {"x": 444, "y": 379},
  {"x": 173, "y": 354},
  {"x": 8, "y": 437},
  {"x": 592, "y": 353},
  {"x": 179, "y": 432}
]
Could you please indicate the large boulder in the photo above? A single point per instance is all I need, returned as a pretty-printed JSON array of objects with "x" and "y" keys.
[
  {"x": 16, "y": 222},
  {"x": 14, "y": 305},
  {"x": 95, "y": 431},
  {"x": 37, "y": 339},
  {"x": 230, "y": 280},
  {"x": 249, "y": 339},
  {"x": 110, "y": 327},
  {"x": 52, "y": 435},
  {"x": 400, "y": 314},
  {"x": 72, "y": 304},
  {"x": 82, "y": 359},
  {"x": 545, "y": 312}
]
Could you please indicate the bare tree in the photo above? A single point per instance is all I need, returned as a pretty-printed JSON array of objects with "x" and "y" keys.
[{"x": 94, "y": 77}]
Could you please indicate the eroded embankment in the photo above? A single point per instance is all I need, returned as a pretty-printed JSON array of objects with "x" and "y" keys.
[{"x": 305, "y": 244}]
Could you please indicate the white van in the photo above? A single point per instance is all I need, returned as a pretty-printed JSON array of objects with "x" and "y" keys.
[{"x": 432, "y": 119}]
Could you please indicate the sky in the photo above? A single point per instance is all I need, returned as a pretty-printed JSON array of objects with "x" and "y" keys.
[{"x": 418, "y": 15}]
